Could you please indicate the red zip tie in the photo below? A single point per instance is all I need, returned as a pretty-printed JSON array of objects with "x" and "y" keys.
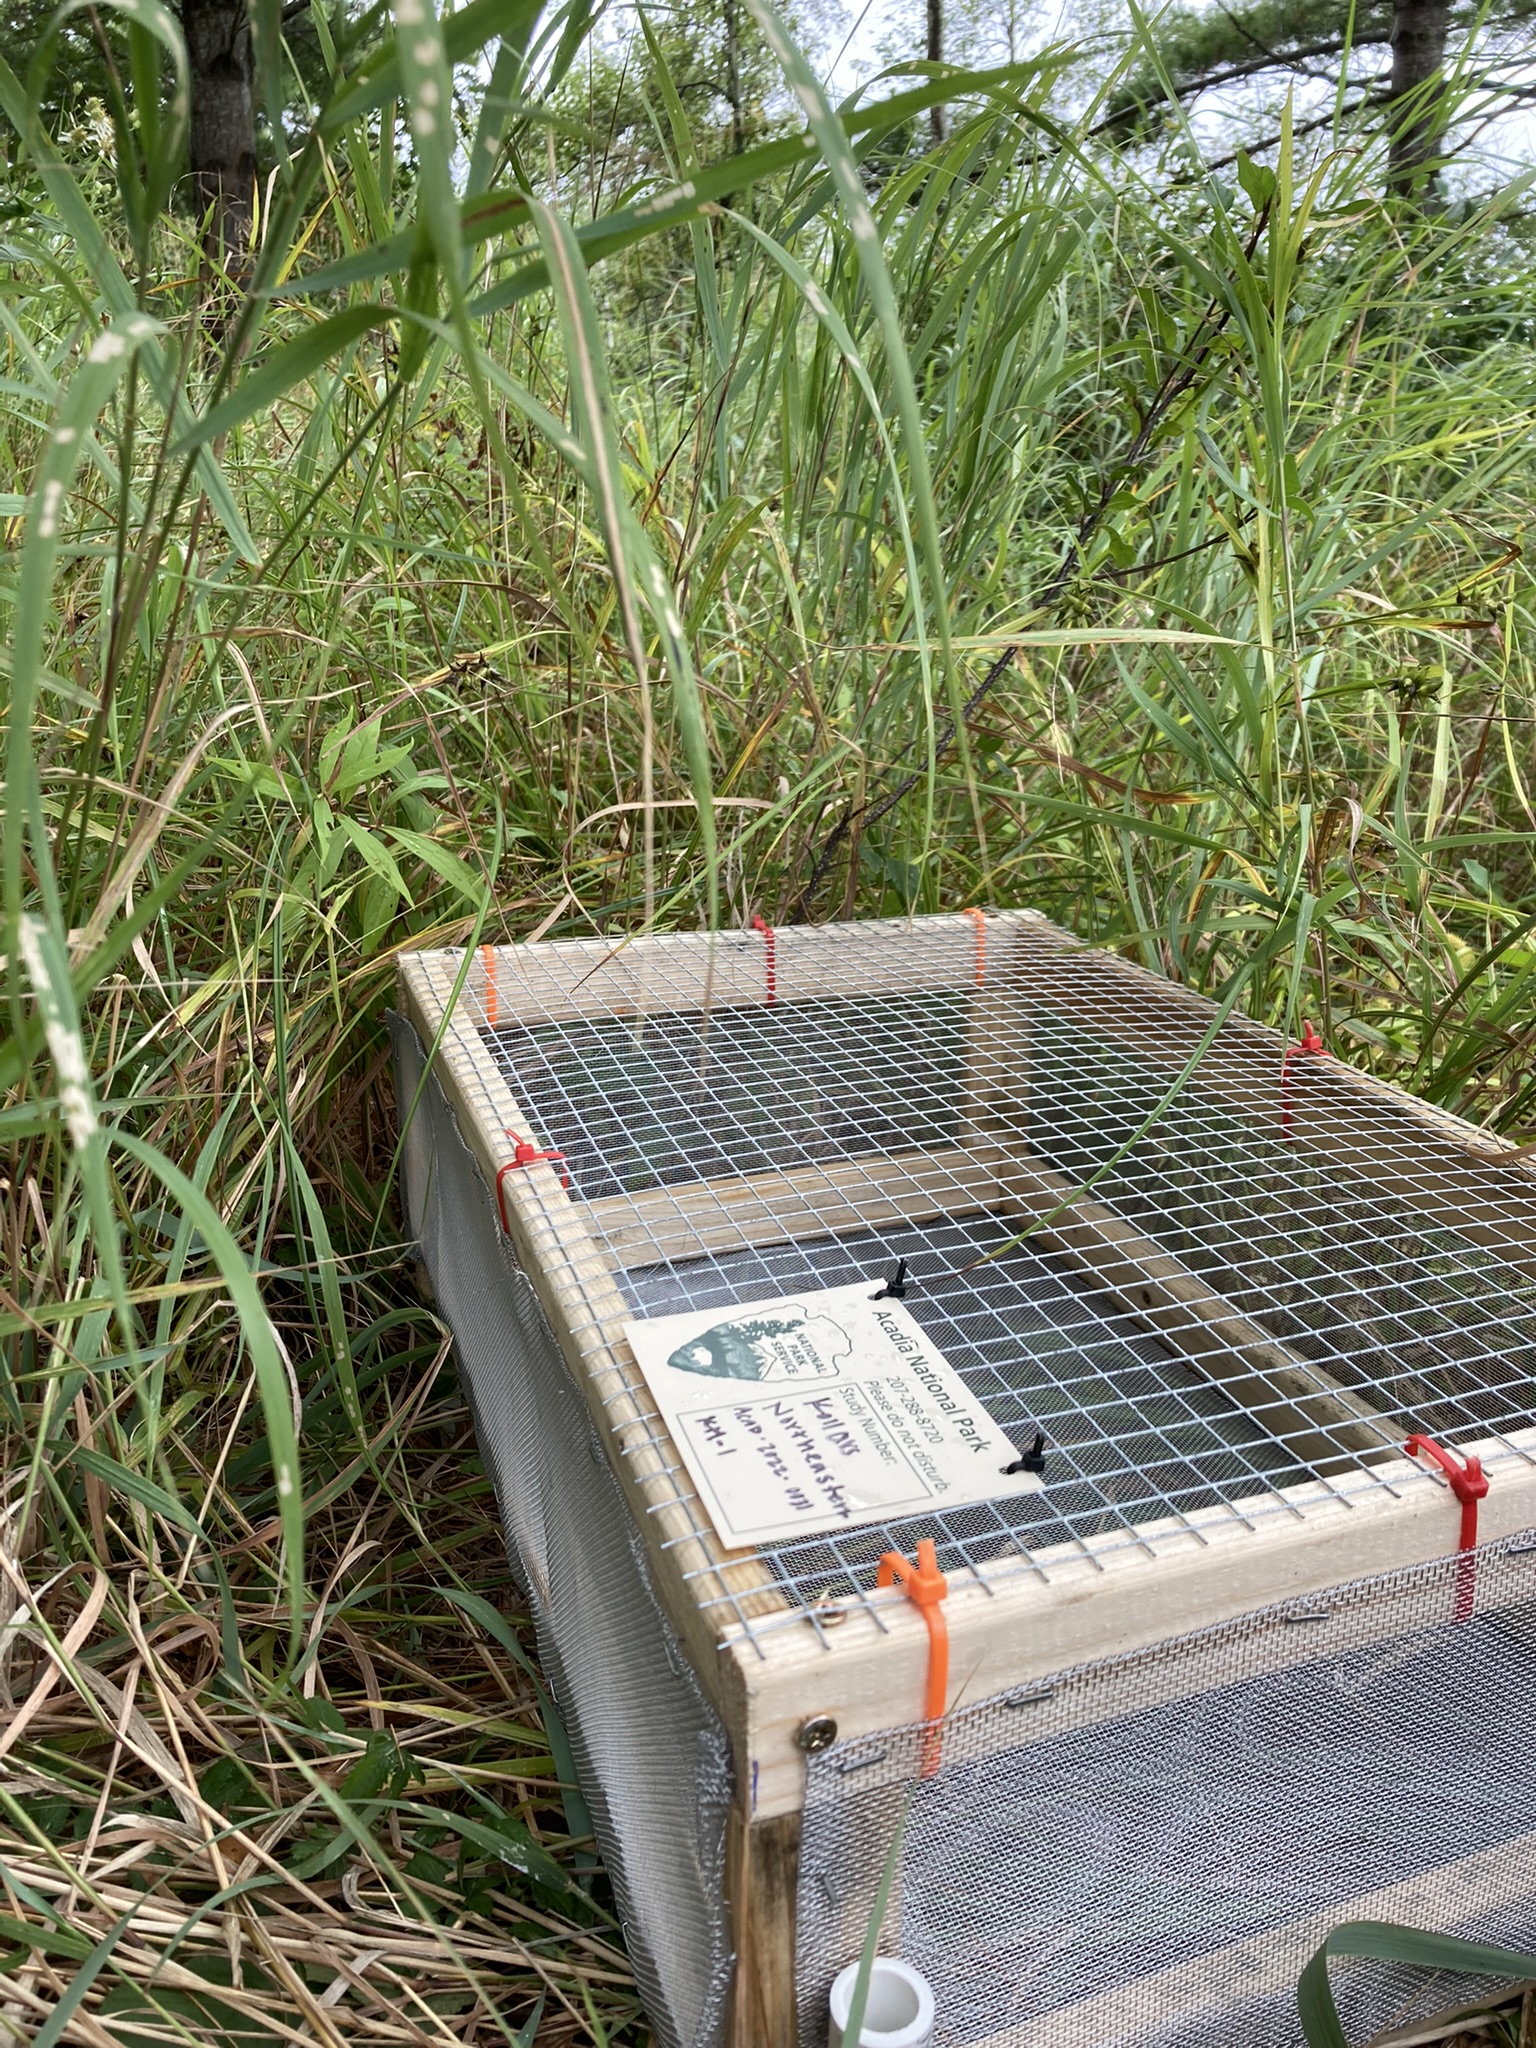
[
  {"x": 1310, "y": 1046},
  {"x": 981, "y": 943},
  {"x": 925, "y": 1586},
  {"x": 1469, "y": 1482},
  {"x": 488, "y": 961},
  {"x": 524, "y": 1153},
  {"x": 769, "y": 945}
]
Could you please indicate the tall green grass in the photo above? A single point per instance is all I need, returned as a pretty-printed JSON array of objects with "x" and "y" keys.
[{"x": 838, "y": 528}]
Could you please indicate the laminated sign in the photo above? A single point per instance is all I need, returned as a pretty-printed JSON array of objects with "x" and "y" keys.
[{"x": 818, "y": 1411}]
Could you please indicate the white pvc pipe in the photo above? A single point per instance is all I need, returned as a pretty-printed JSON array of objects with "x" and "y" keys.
[{"x": 898, "y": 2012}]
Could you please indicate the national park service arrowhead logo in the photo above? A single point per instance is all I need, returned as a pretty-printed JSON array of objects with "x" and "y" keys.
[{"x": 782, "y": 1344}]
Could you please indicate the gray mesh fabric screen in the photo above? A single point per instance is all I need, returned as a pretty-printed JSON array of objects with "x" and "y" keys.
[
  {"x": 1143, "y": 1852},
  {"x": 652, "y": 1755}
]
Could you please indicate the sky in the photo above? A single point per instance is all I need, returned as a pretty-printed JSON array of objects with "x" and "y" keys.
[
  {"x": 1503, "y": 149},
  {"x": 858, "y": 57},
  {"x": 871, "y": 21}
]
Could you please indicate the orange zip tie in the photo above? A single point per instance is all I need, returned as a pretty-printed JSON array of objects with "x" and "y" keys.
[
  {"x": 488, "y": 962},
  {"x": 981, "y": 943},
  {"x": 925, "y": 1586},
  {"x": 524, "y": 1153},
  {"x": 770, "y": 952},
  {"x": 1309, "y": 1047},
  {"x": 1469, "y": 1483}
]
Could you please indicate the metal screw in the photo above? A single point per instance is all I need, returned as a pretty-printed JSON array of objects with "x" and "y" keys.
[{"x": 818, "y": 1733}]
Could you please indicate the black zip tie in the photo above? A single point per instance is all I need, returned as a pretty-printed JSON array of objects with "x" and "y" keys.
[
  {"x": 895, "y": 1289},
  {"x": 1032, "y": 1460}
]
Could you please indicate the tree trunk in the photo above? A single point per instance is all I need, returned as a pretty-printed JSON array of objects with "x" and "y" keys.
[
  {"x": 936, "y": 56},
  {"x": 223, "y": 140},
  {"x": 1415, "y": 102}
]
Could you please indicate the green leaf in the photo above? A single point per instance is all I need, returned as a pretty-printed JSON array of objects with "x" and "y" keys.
[
  {"x": 448, "y": 867},
  {"x": 96, "y": 378},
  {"x": 136, "y": 1487},
  {"x": 1260, "y": 184},
  {"x": 578, "y": 1816},
  {"x": 495, "y": 1625},
  {"x": 52, "y": 2030},
  {"x": 1384, "y": 1942},
  {"x": 832, "y": 138},
  {"x": 261, "y": 1341},
  {"x": 51, "y": 1941},
  {"x": 100, "y": 261},
  {"x": 426, "y": 84},
  {"x": 283, "y": 368},
  {"x": 40, "y": 946},
  {"x": 375, "y": 854},
  {"x": 507, "y": 1840},
  {"x": 379, "y": 1763},
  {"x": 465, "y": 34},
  {"x": 161, "y": 148},
  {"x": 483, "y": 218},
  {"x": 636, "y": 569},
  {"x": 854, "y": 2030}
]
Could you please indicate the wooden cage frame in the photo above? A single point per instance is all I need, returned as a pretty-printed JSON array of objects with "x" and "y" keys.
[{"x": 767, "y": 1686}]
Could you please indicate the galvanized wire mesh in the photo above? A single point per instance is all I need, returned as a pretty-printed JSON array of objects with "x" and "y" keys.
[
  {"x": 1139, "y": 1853},
  {"x": 1135, "y": 1431},
  {"x": 665, "y": 1099},
  {"x": 885, "y": 1103},
  {"x": 1432, "y": 1322},
  {"x": 1144, "y": 1852}
]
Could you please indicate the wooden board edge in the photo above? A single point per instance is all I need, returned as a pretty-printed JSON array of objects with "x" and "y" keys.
[
  {"x": 762, "y": 1876},
  {"x": 560, "y": 979},
  {"x": 867, "y": 1674},
  {"x": 786, "y": 1206}
]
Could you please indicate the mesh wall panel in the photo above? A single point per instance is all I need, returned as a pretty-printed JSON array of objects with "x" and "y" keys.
[
  {"x": 1144, "y": 1851},
  {"x": 652, "y": 1756}
]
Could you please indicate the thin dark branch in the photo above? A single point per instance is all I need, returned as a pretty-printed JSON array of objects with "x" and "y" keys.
[
  {"x": 1289, "y": 60},
  {"x": 1159, "y": 561},
  {"x": 1221, "y": 163},
  {"x": 1248, "y": 35}
]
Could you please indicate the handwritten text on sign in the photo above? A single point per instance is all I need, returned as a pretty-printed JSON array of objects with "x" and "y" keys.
[{"x": 818, "y": 1411}]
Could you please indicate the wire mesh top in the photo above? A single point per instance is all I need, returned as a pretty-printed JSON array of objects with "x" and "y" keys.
[{"x": 1039, "y": 1130}]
